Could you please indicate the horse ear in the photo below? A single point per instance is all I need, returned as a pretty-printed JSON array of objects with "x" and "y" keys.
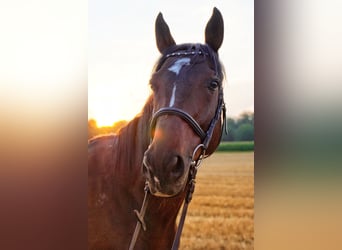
[
  {"x": 163, "y": 35},
  {"x": 214, "y": 30}
]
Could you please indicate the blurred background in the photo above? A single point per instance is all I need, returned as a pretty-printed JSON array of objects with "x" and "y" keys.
[{"x": 297, "y": 124}]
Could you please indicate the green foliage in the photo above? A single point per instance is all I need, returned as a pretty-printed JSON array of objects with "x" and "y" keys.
[
  {"x": 245, "y": 132},
  {"x": 240, "y": 129},
  {"x": 236, "y": 146}
]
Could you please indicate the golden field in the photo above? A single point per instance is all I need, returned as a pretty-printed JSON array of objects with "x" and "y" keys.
[{"x": 221, "y": 213}]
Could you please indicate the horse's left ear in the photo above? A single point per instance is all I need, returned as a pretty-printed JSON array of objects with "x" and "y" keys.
[{"x": 214, "y": 30}]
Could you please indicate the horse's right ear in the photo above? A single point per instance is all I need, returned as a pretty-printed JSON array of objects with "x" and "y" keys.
[{"x": 163, "y": 35}]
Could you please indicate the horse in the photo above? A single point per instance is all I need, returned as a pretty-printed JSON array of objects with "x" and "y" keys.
[{"x": 155, "y": 153}]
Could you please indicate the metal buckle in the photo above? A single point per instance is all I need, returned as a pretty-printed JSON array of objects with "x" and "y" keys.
[{"x": 194, "y": 162}]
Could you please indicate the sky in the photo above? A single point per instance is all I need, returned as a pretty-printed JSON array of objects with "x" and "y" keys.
[{"x": 122, "y": 51}]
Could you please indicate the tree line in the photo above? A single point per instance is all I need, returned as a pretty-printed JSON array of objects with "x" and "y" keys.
[{"x": 239, "y": 129}]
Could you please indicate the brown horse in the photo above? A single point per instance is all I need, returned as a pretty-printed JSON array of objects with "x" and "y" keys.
[{"x": 180, "y": 123}]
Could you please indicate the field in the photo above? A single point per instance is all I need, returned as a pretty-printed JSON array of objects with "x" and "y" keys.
[{"x": 221, "y": 214}]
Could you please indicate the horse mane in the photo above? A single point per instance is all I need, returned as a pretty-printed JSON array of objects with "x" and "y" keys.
[
  {"x": 130, "y": 143},
  {"x": 133, "y": 139}
]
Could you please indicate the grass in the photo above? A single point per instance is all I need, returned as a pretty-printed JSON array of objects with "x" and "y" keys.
[
  {"x": 236, "y": 146},
  {"x": 221, "y": 214}
]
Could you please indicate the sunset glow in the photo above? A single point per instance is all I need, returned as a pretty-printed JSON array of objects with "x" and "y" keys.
[
  {"x": 110, "y": 103},
  {"x": 106, "y": 113}
]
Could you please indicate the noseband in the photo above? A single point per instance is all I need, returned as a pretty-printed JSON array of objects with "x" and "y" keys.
[{"x": 204, "y": 136}]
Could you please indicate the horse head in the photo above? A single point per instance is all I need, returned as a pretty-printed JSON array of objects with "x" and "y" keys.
[{"x": 188, "y": 107}]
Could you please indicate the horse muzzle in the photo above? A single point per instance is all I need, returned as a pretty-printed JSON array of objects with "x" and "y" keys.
[{"x": 166, "y": 176}]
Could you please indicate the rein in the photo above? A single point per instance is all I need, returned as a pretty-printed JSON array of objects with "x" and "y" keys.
[
  {"x": 192, "y": 174},
  {"x": 140, "y": 216},
  {"x": 195, "y": 163}
]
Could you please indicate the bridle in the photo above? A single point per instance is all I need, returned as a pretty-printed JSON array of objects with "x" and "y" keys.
[{"x": 205, "y": 137}]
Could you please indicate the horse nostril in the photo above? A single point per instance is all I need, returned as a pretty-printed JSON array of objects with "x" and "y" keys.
[{"x": 176, "y": 167}]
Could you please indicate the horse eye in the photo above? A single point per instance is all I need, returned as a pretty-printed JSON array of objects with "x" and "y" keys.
[{"x": 213, "y": 85}]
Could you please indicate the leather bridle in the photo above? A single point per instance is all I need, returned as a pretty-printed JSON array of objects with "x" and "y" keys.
[{"x": 205, "y": 137}]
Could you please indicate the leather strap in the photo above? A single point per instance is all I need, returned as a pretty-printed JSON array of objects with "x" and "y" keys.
[{"x": 185, "y": 116}]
